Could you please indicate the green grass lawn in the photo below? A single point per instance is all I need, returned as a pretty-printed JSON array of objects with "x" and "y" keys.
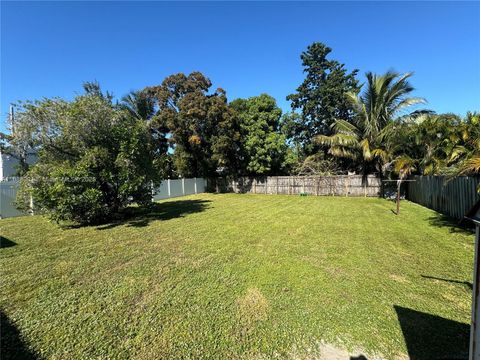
[{"x": 239, "y": 276}]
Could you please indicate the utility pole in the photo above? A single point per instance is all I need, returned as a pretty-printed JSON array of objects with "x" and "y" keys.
[{"x": 11, "y": 118}]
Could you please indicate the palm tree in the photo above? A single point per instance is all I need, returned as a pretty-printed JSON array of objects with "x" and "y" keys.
[
  {"x": 365, "y": 139},
  {"x": 468, "y": 154},
  {"x": 139, "y": 105}
]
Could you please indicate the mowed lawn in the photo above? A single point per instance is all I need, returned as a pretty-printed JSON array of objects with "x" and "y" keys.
[{"x": 239, "y": 276}]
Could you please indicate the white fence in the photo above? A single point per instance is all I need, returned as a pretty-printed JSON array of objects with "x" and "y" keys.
[
  {"x": 168, "y": 189},
  {"x": 8, "y": 193},
  {"x": 180, "y": 187}
]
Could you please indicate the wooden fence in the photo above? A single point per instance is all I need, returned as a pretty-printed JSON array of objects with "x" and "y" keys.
[
  {"x": 342, "y": 185},
  {"x": 449, "y": 196}
]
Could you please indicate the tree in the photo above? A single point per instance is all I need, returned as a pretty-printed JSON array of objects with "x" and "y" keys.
[
  {"x": 94, "y": 160},
  {"x": 321, "y": 97},
  {"x": 467, "y": 156},
  {"x": 203, "y": 128},
  {"x": 21, "y": 142},
  {"x": 139, "y": 105},
  {"x": 263, "y": 147},
  {"x": 436, "y": 144},
  {"x": 366, "y": 137}
]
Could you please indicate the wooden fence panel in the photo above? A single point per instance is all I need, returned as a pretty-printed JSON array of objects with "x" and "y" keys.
[
  {"x": 449, "y": 196},
  {"x": 343, "y": 185}
]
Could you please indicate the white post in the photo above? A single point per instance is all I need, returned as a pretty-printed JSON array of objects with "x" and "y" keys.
[
  {"x": 183, "y": 186},
  {"x": 168, "y": 187},
  {"x": 195, "y": 179},
  {"x": 31, "y": 205}
]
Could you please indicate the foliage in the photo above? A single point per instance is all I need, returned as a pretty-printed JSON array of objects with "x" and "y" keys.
[
  {"x": 437, "y": 144},
  {"x": 318, "y": 165},
  {"x": 21, "y": 141},
  {"x": 321, "y": 97},
  {"x": 364, "y": 139},
  {"x": 94, "y": 160},
  {"x": 262, "y": 146},
  {"x": 229, "y": 276},
  {"x": 204, "y": 132},
  {"x": 467, "y": 154}
]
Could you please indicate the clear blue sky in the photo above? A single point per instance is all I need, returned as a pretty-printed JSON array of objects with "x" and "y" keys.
[{"x": 49, "y": 48}]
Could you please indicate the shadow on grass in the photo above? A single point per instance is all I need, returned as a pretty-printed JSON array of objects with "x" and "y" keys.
[
  {"x": 452, "y": 224},
  {"x": 466, "y": 283},
  {"x": 5, "y": 243},
  {"x": 12, "y": 344},
  {"x": 142, "y": 216},
  {"x": 432, "y": 337}
]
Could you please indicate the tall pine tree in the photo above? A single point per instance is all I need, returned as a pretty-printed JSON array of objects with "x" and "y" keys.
[{"x": 321, "y": 97}]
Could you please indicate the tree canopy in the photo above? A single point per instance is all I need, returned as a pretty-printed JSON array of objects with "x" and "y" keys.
[
  {"x": 321, "y": 97},
  {"x": 262, "y": 146},
  {"x": 203, "y": 128}
]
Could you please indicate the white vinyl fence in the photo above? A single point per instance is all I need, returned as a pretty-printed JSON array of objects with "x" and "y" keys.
[
  {"x": 168, "y": 189},
  {"x": 8, "y": 193},
  {"x": 180, "y": 187}
]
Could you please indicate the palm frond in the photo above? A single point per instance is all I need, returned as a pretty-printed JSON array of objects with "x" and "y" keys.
[
  {"x": 404, "y": 165},
  {"x": 380, "y": 154},
  {"x": 471, "y": 166},
  {"x": 365, "y": 145},
  {"x": 340, "y": 151},
  {"x": 337, "y": 140}
]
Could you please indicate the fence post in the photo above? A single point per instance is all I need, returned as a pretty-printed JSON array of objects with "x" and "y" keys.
[
  {"x": 31, "y": 205},
  {"x": 195, "y": 179},
  {"x": 168, "y": 187},
  {"x": 183, "y": 186},
  {"x": 152, "y": 190}
]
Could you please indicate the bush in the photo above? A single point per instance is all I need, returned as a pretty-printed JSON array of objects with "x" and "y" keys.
[{"x": 98, "y": 160}]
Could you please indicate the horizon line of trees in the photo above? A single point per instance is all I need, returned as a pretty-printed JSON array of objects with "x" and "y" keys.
[{"x": 181, "y": 128}]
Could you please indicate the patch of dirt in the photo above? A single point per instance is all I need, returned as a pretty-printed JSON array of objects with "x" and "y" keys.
[{"x": 252, "y": 307}]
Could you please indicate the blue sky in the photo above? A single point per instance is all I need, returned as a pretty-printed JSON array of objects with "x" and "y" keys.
[{"x": 49, "y": 48}]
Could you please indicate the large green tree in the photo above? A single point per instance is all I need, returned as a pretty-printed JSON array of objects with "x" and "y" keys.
[
  {"x": 203, "y": 128},
  {"x": 320, "y": 98},
  {"x": 365, "y": 138},
  {"x": 263, "y": 147},
  {"x": 94, "y": 159}
]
